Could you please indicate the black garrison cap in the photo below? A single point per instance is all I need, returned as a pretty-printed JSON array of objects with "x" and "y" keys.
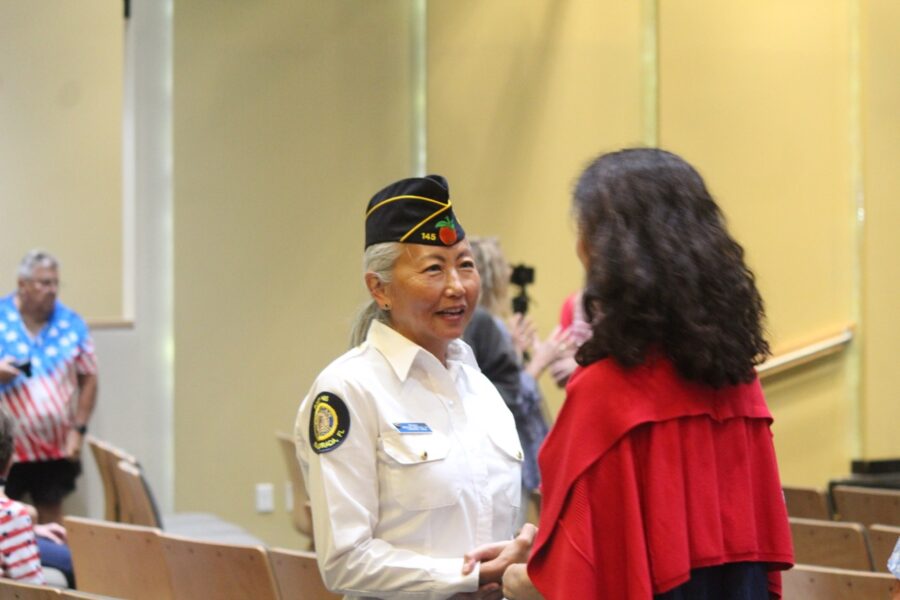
[{"x": 414, "y": 211}]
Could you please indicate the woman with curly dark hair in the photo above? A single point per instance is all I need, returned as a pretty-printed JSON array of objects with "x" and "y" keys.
[
  {"x": 659, "y": 476},
  {"x": 663, "y": 271}
]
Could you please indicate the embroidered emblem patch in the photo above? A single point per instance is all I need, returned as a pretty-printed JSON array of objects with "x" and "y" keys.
[
  {"x": 329, "y": 423},
  {"x": 446, "y": 231}
]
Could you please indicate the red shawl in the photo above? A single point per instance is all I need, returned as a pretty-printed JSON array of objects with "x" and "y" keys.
[{"x": 647, "y": 476}]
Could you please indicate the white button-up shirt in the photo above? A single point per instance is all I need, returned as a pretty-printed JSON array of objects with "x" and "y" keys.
[{"x": 394, "y": 510}]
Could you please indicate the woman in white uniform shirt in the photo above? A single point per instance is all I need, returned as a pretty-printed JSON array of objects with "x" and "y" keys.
[{"x": 409, "y": 453}]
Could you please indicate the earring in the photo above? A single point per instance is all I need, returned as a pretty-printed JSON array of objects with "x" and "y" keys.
[{"x": 387, "y": 307}]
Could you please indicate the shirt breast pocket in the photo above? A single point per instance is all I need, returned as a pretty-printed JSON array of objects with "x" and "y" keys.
[
  {"x": 511, "y": 457},
  {"x": 418, "y": 471}
]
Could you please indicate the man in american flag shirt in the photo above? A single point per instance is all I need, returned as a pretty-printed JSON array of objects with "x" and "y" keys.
[{"x": 48, "y": 381}]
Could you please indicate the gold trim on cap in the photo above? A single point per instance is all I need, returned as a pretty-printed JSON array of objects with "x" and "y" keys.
[
  {"x": 383, "y": 202},
  {"x": 425, "y": 220}
]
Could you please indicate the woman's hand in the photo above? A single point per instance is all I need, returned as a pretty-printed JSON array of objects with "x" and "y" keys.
[
  {"x": 561, "y": 369},
  {"x": 517, "y": 585},
  {"x": 564, "y": 365},
  {"x": 523, "y": 334},
  {"x": 52, "y": 531},
  {"x": 496, "y": 557},
  {"x": 557, "y": 346}
]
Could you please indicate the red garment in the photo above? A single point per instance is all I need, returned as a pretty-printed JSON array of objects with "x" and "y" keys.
[
  {"x": 647, "y": 476},
  {"x": 567, "y": 312}
]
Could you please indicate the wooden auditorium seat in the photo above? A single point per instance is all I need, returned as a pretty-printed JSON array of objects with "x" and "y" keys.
[
  {"x": 107, "y": 457},
  {"x": 807, "y": 582},
  {"x": 807, "y": 502},
  {"x": 203, "y": 569},
  {"x": 138, "y": 507},
  {"x": 14, "y": 590},
  {"x": 301, "y": 513},
  {"x": 830, "y": 544},
  {"x": 297, "y": 575},
  {"x": 79, "y": 595},
  {"x": 118, "y": 559},
  {"x": 867, "y": 505},
  {"x": 882, "y": 539}
]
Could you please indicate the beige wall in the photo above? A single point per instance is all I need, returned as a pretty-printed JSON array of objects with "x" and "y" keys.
[
  {"x": 520, "y": 96},
  {"x": 756, "y": 94},
  {"x": 60, "y": 156},
  {"x": 880, "y": 50},
  {"x": 288, "y": 115}
]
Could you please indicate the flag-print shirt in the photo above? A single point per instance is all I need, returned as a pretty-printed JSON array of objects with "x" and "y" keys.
[
  {"x": 43, "y": 403},
  {"x": 19, "y": 557}
]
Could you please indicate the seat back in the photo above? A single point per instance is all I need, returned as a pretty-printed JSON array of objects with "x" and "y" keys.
[
  {"x": 830, "y": 544},
  {"x": 107, "y": 457},
  {"x": 14, "y": 590},
  {"x": 297, "y": 575},
  {"x": 117, "y": 559},
  {"x": 110, "y": 499},
  {"x": 201, "y": 569},
  {"x": 882, "y": 539},
  {"x": 825, "y": 583},
  {"x": 302, "y": 514},
  {"x": 136, "y": 504},
  {"x": 79, "y": 595},
  {"x": 807, "y": 503},
  {"x": 867, "y": 505}
]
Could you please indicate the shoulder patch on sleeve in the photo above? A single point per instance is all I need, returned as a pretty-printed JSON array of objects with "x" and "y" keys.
[{"x": 329, "y": 423}]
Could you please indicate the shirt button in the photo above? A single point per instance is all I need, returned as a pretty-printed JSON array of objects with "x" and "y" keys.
[
  {"x": 519, "y": 455},
  {"x": 425, "y": 455}
]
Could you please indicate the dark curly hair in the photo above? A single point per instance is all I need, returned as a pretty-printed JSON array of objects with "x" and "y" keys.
[{"x": 663, "y": 274}]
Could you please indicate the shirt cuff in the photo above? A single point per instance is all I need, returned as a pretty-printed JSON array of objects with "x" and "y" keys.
[{"x": 447, "y": 575}]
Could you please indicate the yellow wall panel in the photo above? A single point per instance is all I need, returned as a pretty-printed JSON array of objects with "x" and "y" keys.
[
  {"x": 61, "y": 146},
  {"x": 288, "y": 116},
  {"x": 881, "y": 125},
  {"x": 757, "y": 96},
  {"x": 520, "y": 97}
]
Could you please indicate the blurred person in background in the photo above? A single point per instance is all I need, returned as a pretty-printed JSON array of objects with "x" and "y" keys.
[
  {"x": 48, "y": 382},
  {"x": 501, "y": 353}
]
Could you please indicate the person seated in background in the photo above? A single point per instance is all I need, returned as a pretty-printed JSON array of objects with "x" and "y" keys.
[
  {"x": 501, "y": 354},
  {"x": 19, "y": 555},
  {"x": 50, "y": 537},
  {"x": 54, "y": 550}
]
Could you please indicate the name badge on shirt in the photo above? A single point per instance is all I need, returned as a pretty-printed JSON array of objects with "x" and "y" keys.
[{"x": 412, "y": 427}]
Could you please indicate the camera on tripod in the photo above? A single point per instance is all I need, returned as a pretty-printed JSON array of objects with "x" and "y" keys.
[{"x": 522, "y": 275}]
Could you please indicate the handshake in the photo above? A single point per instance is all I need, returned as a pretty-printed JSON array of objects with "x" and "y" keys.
[{"x": 503, "y": 562}]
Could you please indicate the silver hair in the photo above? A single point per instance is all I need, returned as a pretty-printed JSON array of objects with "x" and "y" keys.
[
  {"x": 34, "y": 259},
  {"x": 379, "y": 259}
]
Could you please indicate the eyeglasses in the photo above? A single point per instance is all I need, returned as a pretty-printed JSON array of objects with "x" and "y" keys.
[{"x": 46, "y": 283}]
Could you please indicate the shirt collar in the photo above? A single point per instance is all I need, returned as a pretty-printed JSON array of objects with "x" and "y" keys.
[{"x": 401, "y": 352}]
